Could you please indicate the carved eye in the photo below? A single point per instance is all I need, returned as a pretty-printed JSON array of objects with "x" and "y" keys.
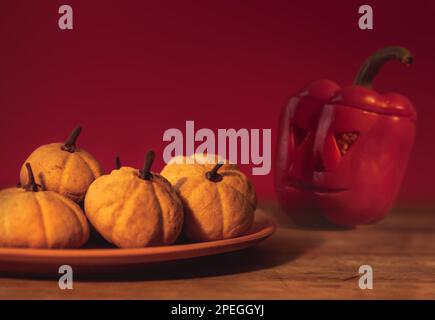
[
  {"x": 299, "y": 135},
  {"x": 345, "y": 140}
]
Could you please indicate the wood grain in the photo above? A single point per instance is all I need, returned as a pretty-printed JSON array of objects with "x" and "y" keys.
[{"x": 295, "y": 263}]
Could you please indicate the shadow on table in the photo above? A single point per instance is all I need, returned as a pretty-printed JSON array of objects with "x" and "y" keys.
[
  {"x": 277, "y": 250},
  {"x": 312, "y": 220}
]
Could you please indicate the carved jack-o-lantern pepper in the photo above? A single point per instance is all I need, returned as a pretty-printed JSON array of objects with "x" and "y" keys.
[{"x": 342, "y": 152}]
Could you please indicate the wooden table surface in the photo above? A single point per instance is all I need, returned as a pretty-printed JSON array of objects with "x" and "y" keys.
[{"x": 293, "y": 264}]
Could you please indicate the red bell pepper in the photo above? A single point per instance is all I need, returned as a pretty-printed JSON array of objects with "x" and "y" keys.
[{"x": 342, "y": 152}]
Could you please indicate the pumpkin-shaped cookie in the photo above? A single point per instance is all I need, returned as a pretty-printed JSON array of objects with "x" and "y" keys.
[
  {"x": 64, "y": 168},
  {"x": 219, "y": 201},
  {"x": 135, "y": 208},
  {"x": 32, "y": 218}
]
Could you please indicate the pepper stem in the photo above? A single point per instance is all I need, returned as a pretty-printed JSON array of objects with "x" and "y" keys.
[
  {"x": 145, "y": 173},
  {"x": 213, "y": 175},
  {"x": 374, "y": 64},
  {"x": 118, "y": 164},
  {"x": 31, "y": 185},
  {"x": 70, "y": 144}
]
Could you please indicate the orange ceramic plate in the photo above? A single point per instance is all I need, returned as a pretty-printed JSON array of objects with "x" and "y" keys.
[{"x": 113, "y": 260}]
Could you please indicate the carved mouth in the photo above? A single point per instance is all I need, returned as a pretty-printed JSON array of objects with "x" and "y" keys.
[{"x": 314, "y": 188}]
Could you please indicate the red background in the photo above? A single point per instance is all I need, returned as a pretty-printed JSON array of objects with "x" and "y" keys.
[{"x": 132, "y": 69}]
